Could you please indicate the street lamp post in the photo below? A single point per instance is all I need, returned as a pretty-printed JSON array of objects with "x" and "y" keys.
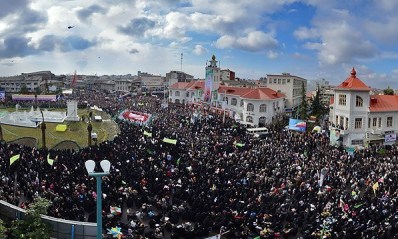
[
  {"x": 105, "y": 165},
  {"x": 43, "y": 130},
  {"x": 89, "y": 129}
]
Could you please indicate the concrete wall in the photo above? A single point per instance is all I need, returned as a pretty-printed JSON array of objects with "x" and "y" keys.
[{"x": 61, "y": 229}]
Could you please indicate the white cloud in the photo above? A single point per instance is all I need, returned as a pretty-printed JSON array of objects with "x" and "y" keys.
[
  {"x": 304, "y": 33},
  {"x": 272, "y": 54},
  {"x": 199, "y": 50},
  {"x": 253, "y": 41}
]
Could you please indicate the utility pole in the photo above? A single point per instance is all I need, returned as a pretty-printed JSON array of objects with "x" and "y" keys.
[{"x": 181, "y": 61}]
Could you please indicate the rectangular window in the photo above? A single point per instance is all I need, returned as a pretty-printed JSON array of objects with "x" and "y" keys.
[
  {"x": 358, "y": 123},
  {"x": 270, "y": 81},
  {"x": 279, "y": 81},
  {"x": 357, "y": 142},
  {"x": 346, "y": 123},
  {"x": 389, "y": 121},
  {"x": 274, "y": 81},
  {"x": 341, "y": 121},
  {"x": 284, "y": 81},
  {"x": 374, "y": 122},
  {"x": 288, "y": 80},
  {"x": 337, "y": 120},
  {"x": 342, "y": 99},
  {"x": 380, "y": 122},
  {"x": 369, "y": 121}
]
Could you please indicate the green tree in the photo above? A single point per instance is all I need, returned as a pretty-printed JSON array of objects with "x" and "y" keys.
[
  {"x": 32, "y": 226},
  {"x": 388, "y": 91},
  {"x": 37, "y": 91},
  {"x": 304, "y": 104},
  {"x": 317, "y": 108},
  {"x": 24, "y": 89},
  {"x": 3, "y": 229}
]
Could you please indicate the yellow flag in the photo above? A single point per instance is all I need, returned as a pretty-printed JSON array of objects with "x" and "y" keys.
[
  {"x": 14, "y": 158},
  {"x": 50, "y": 161},
  {"x": 170, "y": 141},
  {"x": 375, "y": 187},
  {"x": 147, "y": 133}
]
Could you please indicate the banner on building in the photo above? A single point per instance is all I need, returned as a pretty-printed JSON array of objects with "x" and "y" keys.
[
  {"x": 390, "y": 138},
  {"x": 208, "y": 85},
  {"x": 297, "y": 125},
  {"x": 2, "y": 95}
]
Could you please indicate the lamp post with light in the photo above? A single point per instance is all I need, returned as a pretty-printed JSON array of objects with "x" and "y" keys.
[{"x": 105, "y": 165}]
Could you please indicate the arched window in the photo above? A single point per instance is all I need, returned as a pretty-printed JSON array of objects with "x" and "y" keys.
[
  {"x": 358, "y": 101},
  {"x": 241, "y": 103},
  {"x": 263, "y": 108},
  {"x": 262, "y": 121},
  {"x": 249, "y": 119},
  {"x": 234, "y": 102},
  {"x": 177, "y": 101},
  {"x": 250, "y": 107},
  {"x": 177, "y": 93}
]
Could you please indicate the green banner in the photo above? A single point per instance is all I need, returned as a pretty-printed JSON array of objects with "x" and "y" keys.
[
  {"x": 149, "y": 134},
  {"x": 239, "y": 144}
]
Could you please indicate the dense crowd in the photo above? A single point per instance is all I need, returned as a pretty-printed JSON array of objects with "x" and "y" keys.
[{"x": 288, "y": 185}]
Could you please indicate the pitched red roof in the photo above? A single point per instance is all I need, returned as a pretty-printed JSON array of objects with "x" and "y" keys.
[
  {"x": 353, "y": 83},
  {"x": 179, "y": 85},
  {"x": 380, "y": 103},
  {"x": 262, "y": 94}
]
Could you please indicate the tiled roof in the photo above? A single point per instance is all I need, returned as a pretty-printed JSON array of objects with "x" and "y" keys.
[
  {"x": 380, "y": 103},
  {"x": 261, "y": 93},
  {"x": 179, "y": 85},
  {"x": 353, "y": 83}
]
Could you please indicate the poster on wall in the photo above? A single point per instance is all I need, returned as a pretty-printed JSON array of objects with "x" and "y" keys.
[
  {"x": 2, "y": 95},
  {"x": 297, "y": 125},
  {"x": 208, "y": 85},
  {"x": 390, "y": 138}
]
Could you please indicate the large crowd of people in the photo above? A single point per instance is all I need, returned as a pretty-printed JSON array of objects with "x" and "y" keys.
[{"x": 217, "y": 178}]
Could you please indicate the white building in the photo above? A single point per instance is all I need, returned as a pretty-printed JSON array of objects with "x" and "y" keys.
[
  {"x": 177, "y": 76},
  {"x": 290, "y": 86},
  {"x": 361, "y": 117},
  {"x": 252, "y": 106}
]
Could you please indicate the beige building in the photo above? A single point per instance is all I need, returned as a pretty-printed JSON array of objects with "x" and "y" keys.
[
  {"x": 43, "y": 80},
  {"x": 290, "y": 86}
]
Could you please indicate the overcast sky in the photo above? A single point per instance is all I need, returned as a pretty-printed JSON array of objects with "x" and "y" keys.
[{"x": 310, "y": 38}]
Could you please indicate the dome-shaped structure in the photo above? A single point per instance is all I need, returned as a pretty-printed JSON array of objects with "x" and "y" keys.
[{"x": 353, "y": 83}]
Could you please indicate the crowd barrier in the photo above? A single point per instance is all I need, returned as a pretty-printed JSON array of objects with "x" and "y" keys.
[{"x": 60, "y": 228}]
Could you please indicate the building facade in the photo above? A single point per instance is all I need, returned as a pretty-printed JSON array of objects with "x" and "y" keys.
[
  {"x": 31, "y": 82},
  {"x": 362, "y": 118},
  {"x": 251, "y": 106},
  {"x": 290, "y": 86}
]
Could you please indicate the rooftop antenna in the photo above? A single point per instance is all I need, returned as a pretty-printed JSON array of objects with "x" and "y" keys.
[{"x": 181, "y": 61}]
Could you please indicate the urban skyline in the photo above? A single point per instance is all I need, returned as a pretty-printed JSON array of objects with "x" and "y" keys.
[{"x": 313, "y": 39}]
